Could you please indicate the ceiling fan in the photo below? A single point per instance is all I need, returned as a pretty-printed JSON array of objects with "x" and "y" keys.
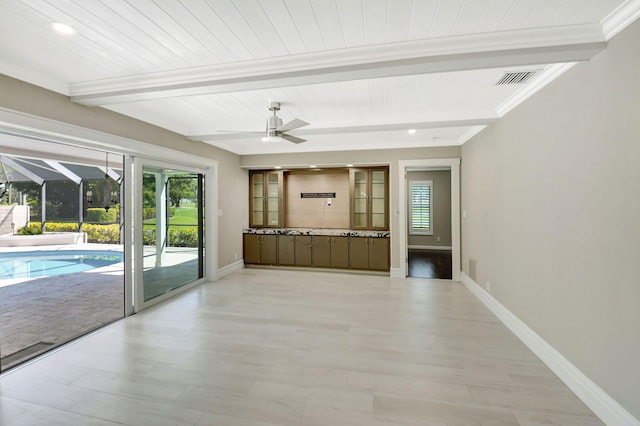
[{"x": 276, "y": 130}]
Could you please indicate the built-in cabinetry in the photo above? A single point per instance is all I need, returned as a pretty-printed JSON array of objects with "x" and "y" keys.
[
  {"x": 330, "y": 252},
  {"x": 260, "y": 249},
  {"x": 362, "y": 203},
  {"x": 369, "y": 253},
  {"x": 369, "y": 198},
  {"x": 266, "y": 192},
  {"x": 320, "y": 251}
]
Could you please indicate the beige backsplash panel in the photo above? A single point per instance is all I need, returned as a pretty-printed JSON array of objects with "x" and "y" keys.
[{"x": 315, "y": 212}]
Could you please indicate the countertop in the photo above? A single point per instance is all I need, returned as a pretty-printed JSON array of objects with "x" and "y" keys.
[{"x": 317, "y": 231}]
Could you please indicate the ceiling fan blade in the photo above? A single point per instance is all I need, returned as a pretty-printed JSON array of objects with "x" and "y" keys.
[
  {"x": 291, "y": 138},
  {"x": 293, "y": 124}
]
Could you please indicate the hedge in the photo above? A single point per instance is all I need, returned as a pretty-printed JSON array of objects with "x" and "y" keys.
[
  {"x": 184, "y": 236},
  {"x": 100, "y": 215}
]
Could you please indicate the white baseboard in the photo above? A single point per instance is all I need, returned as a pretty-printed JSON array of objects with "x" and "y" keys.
[
  {"x": 230, "y": 268},
  {"x": 417, "y": 247},
  {"x": 395, "y": 273},
  {"x": 603, "y": 405}
]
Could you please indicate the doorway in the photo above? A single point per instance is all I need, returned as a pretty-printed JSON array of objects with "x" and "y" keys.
[
  {"x": 429, "y": 223},
  {"x": 452, "y": 166},
  {"x": 170, "y": 255}
]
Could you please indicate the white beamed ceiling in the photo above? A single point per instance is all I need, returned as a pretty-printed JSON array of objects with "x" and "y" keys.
[{"x": 361, "y": 72}]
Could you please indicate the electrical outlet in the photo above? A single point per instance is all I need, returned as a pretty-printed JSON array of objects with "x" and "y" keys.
[{"x": 438, "y": 238}]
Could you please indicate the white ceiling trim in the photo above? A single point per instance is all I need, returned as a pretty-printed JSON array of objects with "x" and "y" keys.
[
  {"x": 68, "y": 137},
  {"x": 465, "y": 52},
  {"x": 620, "y": 18},
  {"x": 481, "y": 121},
  {"x": 545, "y": 77}
]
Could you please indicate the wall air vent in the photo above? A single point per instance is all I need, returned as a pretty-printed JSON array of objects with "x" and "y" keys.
[{"x": 517, "y": 77}]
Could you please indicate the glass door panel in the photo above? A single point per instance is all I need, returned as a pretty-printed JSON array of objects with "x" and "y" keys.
[
  {"x": 360, "y": 206},
  {"x": 273, "y": 199},
  {"x": 173, "y": 226},
  {"x": 378, "y": 198},
  {"x": 257, "y": 199}
]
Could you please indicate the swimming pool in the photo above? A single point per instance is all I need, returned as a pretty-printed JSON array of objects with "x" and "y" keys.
[{"x": 33, "y": 264}]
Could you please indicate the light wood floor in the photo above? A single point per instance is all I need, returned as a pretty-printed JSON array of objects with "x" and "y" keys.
[{"x": 270, "y": 347}]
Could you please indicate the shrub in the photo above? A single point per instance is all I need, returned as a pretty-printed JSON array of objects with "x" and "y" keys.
[
  {"x": 183, "y": 237},
  {"x": 61, "y": 227},
  {"x": 31, "y": 229},
  {"x": 178, "y": 236},
  {"x": 150, "y": 212},
  {"x": 100, "y": 215},
  {"x": 105, "y": 234}
]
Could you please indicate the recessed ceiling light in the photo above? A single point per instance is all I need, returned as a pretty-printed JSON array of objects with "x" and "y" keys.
[
  {"x": 411, "y": 131},
  {"x": 62, "y": 28},
  {"x": 277, "y": 167},
  {"x": 349, "y": 165},
  {"x": 313, "y": 166}
]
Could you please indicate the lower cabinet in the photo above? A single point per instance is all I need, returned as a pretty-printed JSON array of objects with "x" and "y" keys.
[
  {"x": 286, "y": 250},
  {"x": 369, "y": 253},
  {"x": 379, "y": 254},
  {"x": 260, "y": 249},
  {"x": 321, "y": 251},
  {"x": 303, "y": 250},
  {"x": 366, "y": 253},
  {"x": 359, "y": 253},
  {"x": 330, "y": 252},
  {"x": 339, "y": 252}
]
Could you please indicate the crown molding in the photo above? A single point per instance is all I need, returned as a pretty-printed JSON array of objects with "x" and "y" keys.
[
  {"x": 545, "y": 77},
  {"x": 465, "y": 52},
  {"x": 620, "y": 18}
]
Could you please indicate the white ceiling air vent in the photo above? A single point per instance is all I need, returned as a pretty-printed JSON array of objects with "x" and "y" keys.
[{"x": 516, "y": 77}]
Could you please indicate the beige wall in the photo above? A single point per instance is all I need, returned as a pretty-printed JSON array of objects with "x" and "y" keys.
[
  {"x": 553, "y": 208},
  {"x": 316, "y": 212},
  {"x": 372, "y": 157},
  {"x": 232, "y": 195},
  {"x": 441, "y": 205}
]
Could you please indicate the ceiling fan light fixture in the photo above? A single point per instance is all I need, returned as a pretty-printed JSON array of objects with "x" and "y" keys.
[
  {"x": 411, "y": 131},
  {"x": 271, "y": 139}
]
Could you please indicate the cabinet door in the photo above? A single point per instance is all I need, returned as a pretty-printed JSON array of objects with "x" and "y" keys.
[
  {"x": 286, "y": 250},
  {"x": 321, "y": 251},
  {"x": 268, "y": 250},
  {"x": 379, "y": 254},
  {"x": 339, "y": 252},
  {"x": 359, "y": 253},
  {"x": 379, "y": 205},
  {"x": 303, "y": 250},
  {"x": 266, "y": 193},
  {"x": 256, "y": 199},
  {"x": 251, "y": 249},
  {"x": 359, "y": 198},
  {"x": 274, "y": 198}
]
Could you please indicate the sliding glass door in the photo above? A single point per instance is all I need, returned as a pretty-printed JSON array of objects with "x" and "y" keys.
[{"x": 171, "y": 231}]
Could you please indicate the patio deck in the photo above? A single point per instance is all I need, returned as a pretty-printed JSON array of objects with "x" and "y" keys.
[{"x": 39, "y": 314}]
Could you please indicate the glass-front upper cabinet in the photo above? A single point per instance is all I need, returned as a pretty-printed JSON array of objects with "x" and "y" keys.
[
  {"x": 266, "y": 199},
  {"x": 369, "y": 198}
]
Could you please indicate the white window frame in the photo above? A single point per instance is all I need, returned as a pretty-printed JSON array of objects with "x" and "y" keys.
[{"x": 420, "y": 231}]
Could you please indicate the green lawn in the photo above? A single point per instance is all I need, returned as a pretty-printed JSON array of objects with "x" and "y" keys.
[{"x": 184, "y": 216}]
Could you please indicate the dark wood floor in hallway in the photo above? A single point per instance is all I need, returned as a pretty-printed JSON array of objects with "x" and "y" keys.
[{"x": 429, "y": 264}]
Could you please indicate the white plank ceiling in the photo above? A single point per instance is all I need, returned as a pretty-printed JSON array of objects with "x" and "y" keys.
[{"x": 362, "y": 72}]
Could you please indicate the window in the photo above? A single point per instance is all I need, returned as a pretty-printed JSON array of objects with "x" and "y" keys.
[{"x": 421, "y": 219}]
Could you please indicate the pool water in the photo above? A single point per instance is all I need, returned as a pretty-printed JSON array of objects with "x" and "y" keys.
[{"x": 34, "y": 264}]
